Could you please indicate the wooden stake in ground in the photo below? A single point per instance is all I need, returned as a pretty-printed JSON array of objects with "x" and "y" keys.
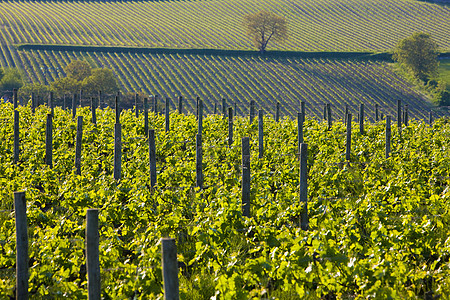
[
  {"x": 349, "y": 137},
  {"x": 230, "y": 126},
  {"x": 152, "y": 157},
  {"x": 361, "y": 118},
  {"x": 20, "y": 211},
  {"x": 277, "y": 113},
  {"x": 146, "y": 115},
  {"x": 388, "y": 136},
  {"x": 167, "y": 112},
  {"x": 49, "y": 141},
  {"x": 300, "y": 119},
  {"x": 78, "y": 141},
  {"x": 136, "y": 109},
  {"x": 304, "y": 220},
  {"x": 246, "y": 176},
  {"x": 261, "y": 133},
  {"x": 170, "y": 269},
  {"x": 92, "y": 255},
  {"x": 117, "y": 151},
  {"x": 16, "y": 149},
  {"x": 199, "y": 161}
]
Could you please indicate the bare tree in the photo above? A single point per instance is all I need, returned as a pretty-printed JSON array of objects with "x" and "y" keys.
[{"x": 265, "y": 26}]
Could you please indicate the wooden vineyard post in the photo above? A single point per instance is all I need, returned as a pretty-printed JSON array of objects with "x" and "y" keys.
[
  {"x": 200, "y": 116},
  {"x": 15, "y": 102},
  {"x": 299, "y": 131},
  {"x": 117, "y": 143},
  {"x": 381, "y": 116},
  {"x": 361, "y": 118},
  {"x": 224, "y": 109},
  {"x": 246, "y": 176},
  {"x": 406, "y": 115},
  {"x": 136, "y": 101},
  {"x": 146, "y": 115},
  {"x": 277, "y": 113},
  {"x": 252, "y": 111},
  {"x": 49, "y": 141},
  {"x": 430, "y": 120},
  {"x": 330, "y": 121},
  {"x": 346, "y": 113},
  {"x": 230, "y": 126},
  {"x": 325, "y": 112},
  {"x": 199, "y": 161},
  {"x": 304, "y": 221},
  {"x": 348, "y": 144},
  {"x": 302, "y": 110},
  {"x": 74, "y": 106},
  {"x": 180, "y": 105},
  {"x": 16, "y": 149},
  {"x": 376, "y": 112},
  {"x": 388, "y": 136},
  {"x": 92, "y": 255},
  {"x": 196, "y": 107},
  {"x": 78, "y": 141},
  {"x": 167, "y": 114},
  {"x": 215, "y": 108},
  {"x": 235, "y": 108},
  {"x": 93, "y": 111},
  {"x": 81, "y": 98},
  {"x": 152, "y": 157},
  {"x": 399, "y": 115},
  {"x": 33, "y": 103},
  {"x": 261, "y": 133},
  {"x": 50, "y": 102},
  {"x": 170, "y": 269},
  {"x": 117, "y": 109},
  {"x": 20, "y": 211}
]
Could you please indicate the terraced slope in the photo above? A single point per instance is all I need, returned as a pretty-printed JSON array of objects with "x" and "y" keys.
[
  {"x": 241, "y": 79},
  {"x": 323, "y": 25}
]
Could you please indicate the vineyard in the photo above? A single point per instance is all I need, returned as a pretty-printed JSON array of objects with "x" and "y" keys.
[
  {"x": 340, "y": 82},
  {"x": 373, "y": 26},
  {"x": 378, "y": 227},
  {"x": 344, "y": 25}
]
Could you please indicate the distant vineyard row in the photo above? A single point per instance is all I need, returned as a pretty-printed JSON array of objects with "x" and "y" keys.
[
  {"x": 241, "y": 79},
  {"x": 343, "y": 25}
]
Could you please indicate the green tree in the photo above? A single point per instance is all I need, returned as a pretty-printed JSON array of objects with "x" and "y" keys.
[
  {"x": 78, "y": 70},
  {"x": 418, "y": 54},
  {"x": 101, "y": 80},
  {"x": 11, "y": 79},
  {"x": 65, "y": 85},
  {"x": 265, "y": 26}
]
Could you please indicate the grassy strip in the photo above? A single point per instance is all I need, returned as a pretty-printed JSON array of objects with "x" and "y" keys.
[{"x": 273, "y": 54}]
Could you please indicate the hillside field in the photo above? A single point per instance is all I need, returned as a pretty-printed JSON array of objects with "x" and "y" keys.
[
  {"x": 324, "y": 25},
  {"x": 241, "y": 79},
  {"x": 372, "y": 26}
]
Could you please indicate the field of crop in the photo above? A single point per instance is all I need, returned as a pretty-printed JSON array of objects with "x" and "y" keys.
[
  {"x": 342, "y": 25},
  {"x": 379, "y": 227},
  {"x": 241, "y": 79},
  {"x": 444, "y": 71}
]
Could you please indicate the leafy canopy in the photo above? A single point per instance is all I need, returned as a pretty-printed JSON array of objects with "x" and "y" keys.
[
  {"x": 78, "y": 69},
  {"x": 418, "y": 54},
  {"x": 11, "y": 79},
  {"x": 265, "y": 26}
]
